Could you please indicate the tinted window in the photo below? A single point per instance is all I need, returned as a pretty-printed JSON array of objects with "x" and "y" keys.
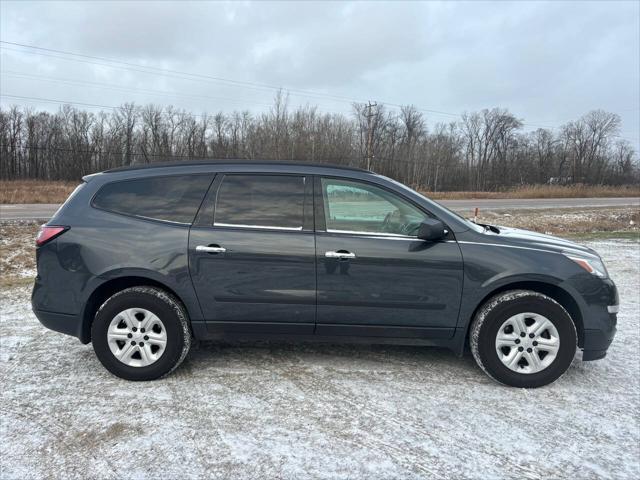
[
  {"x": 264, "y": 201},
  {"x": 360, "y": 207},
  {"x": 175, "y": 198}
]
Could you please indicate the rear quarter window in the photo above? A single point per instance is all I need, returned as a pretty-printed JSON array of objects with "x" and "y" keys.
[{"x": 173, "y": 198}]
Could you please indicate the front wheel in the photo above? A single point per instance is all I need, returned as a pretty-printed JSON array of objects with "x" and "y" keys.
[
  {"x": 523, "y": 339},
  {"x": 141, "y": 333}
]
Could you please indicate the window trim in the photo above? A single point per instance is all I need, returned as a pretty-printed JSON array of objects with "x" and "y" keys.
[
  {"x": 258, "y": 227},
  {"x": 321, "y": 226},
  {"x": 152, "y": 219},
  {"x": 369, "y": 234},
  {"x": 307, "y": 194}
]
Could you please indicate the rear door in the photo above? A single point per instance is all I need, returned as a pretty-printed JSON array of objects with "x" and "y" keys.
[
  {"x": 375, "y": 277},
  {"x": 252, "y": 257}
]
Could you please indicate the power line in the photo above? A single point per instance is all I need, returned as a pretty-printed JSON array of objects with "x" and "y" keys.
[
  {"x": 82, "y": 104},
  {"x": 108, "y": 86},
  {"x": 111, "y": 107},
  {"x": 168, "y": 72},
  {"x": 61, "y": 102},
  {"x": 122, "y": 88},
  {"x": 83, "y": 58},
  {"x": 196, "y": 77}
]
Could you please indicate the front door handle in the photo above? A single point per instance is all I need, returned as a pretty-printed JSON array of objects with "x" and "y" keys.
[
  {"x": 210, "y": 249},
  {"x": 340, "y": 254}
]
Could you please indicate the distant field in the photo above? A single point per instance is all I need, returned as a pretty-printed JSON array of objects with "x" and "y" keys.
[
  {"x": 37, "y": 191},
  {"x": 544, "y": 191}
]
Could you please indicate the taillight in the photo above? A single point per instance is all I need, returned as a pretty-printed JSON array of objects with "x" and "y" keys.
[{"x": 48, "y": 233}]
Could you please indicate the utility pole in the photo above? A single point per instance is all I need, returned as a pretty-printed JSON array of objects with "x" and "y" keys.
[{"x": 369, "y": 116}]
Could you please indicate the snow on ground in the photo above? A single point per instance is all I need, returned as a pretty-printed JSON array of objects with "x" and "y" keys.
[{"x": 322, "y": 411}]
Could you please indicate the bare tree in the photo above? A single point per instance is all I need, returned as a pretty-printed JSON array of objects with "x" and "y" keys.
[{"x": 484, "y": 150}]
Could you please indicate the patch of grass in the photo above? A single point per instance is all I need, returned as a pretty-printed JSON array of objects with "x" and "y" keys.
[
  {"x": 568, "y": 221},
  {"x": 35, "y": 191},
  {"x": 13, "y": 282},
  {"x": 624, "y": 235},
  {"x": 544, "y": 191},
  {"x": 17, "y": 249}
]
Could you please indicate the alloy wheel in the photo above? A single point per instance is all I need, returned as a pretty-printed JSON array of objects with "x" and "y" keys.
[
  {"x": 137, "y": 337},
  {"x": 527, "y": 343}
]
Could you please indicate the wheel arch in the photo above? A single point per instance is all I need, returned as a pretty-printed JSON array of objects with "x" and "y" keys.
[
  {"x": 106, "y": 289},
  {"x": 551, "y": 290}
]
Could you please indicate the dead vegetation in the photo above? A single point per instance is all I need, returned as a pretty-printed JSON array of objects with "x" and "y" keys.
[
  {"x": 567, "y": 222},
  {"x": 42, "y": 191},
  {"x": 35, "y": 191},
  {"x": 544, "y": 191},
  {"x": 17, "y": 253}
]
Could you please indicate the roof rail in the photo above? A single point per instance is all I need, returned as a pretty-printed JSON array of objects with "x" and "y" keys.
[{"x": 196, "y": 162}]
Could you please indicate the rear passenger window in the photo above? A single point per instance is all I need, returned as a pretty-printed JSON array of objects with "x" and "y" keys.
[
  {"x": 260, "y": 201},
  {"x": 173, "y": 199}
]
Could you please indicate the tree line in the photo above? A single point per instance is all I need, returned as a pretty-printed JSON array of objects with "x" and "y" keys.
[{"x": 485, "y": 150}]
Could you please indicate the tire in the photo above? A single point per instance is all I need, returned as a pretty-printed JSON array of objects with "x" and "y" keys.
[
  {"x": 547, "y": 355},
  {"x": 117, "y": 331}
]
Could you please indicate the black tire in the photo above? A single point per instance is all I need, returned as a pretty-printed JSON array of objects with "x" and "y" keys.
[
  {"x": 166, "y": 307},
  {"x": 491, "y": 316}
]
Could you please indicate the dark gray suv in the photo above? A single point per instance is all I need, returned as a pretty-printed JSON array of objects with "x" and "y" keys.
[{"x": 141, "y": 259}]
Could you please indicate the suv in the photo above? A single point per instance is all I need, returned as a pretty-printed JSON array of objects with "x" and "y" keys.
[{"x": 141, "y": 259}]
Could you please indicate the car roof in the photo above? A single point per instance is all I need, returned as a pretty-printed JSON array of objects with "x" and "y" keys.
[{"x": 228, "y": 162}]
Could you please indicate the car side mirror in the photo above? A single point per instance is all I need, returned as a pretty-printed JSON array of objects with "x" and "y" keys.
[{"x": 431, "y": 229}]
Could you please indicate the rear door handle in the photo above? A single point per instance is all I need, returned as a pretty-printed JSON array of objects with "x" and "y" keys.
[
  {"x": 340, "y": 254},
  {"x": 210, "y": 249}
]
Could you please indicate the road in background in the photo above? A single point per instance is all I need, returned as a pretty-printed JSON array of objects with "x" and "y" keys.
[{"x": 44, "y": 211}]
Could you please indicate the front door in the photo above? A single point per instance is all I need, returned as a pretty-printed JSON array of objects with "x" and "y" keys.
[
  {"x": 253, "y": 266},
  {"x": 375, "y": 277}
]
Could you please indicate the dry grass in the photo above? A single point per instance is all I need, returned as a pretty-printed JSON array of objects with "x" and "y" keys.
[
  {"x": 35, "y": 191},
  {"x": 39, "y": 191},
  {"x": 568, "y": 222},
  {"x": 17, "y": 253},
  {"x": 545, "y": 191}
]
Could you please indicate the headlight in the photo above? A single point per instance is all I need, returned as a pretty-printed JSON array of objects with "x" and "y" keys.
[{"x": 593, "y": 265}]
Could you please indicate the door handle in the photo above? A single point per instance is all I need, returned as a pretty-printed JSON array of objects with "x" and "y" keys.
[
  {"x": 340, "y": 254},
  {"x": 210, "y": 249}
]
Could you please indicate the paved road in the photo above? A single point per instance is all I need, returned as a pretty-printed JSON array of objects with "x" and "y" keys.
[{"x": 44, "y": 211}]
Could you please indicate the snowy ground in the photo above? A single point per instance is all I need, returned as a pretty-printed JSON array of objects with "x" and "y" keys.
[{"x": 332, "y": 411}]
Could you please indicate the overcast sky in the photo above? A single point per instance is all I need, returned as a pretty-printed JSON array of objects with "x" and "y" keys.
[{"x": 548, "y": 63}]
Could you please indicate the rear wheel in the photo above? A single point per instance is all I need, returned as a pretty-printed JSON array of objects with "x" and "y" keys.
[
  {"x": 523, "y": 339},
  {"x": 141, "y": 333}
]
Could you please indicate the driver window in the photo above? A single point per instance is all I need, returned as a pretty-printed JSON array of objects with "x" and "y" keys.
[{"x": 363, "y": 208}]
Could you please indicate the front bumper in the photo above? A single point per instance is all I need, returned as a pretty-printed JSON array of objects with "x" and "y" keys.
[
  {"x": 600, "y": 319},
  {"x": 596, "y": 342}
]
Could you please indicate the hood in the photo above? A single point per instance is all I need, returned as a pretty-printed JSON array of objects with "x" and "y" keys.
[{"x": 526, "y": 238}]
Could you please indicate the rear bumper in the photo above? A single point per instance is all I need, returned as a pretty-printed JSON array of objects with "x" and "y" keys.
[{"x": 61, "y": 322}]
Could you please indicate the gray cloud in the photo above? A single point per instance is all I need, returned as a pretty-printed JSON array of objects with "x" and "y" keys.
[{"x": 546, "y": 62}]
